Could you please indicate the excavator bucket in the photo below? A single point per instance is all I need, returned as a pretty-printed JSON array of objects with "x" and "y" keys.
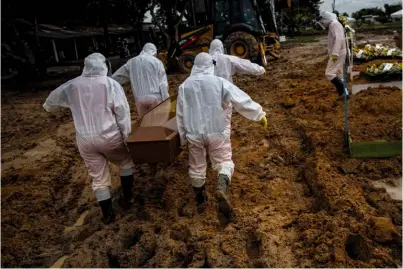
[{"x": 271, "y": 45}]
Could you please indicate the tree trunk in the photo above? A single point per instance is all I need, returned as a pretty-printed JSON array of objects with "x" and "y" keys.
[
  {"x": 39, "y": 54},
  {"x": 105, "y": 19},
  {"x": 159, "y": 24},
  {"x": 180, "y": 19}
]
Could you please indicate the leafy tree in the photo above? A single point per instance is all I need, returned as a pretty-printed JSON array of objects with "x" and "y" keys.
[
  {"x": 389, "y": 9},
  {"x": 376, "y": 11},
  {"x": 301, "y": 14},
  {"x": 345, "y": 14},
  {"x": 168, "y": 17},
  {"x": 24, "y": 53}
]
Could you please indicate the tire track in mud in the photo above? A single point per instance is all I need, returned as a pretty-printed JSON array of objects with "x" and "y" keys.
[{"x": 341, "y": 229}]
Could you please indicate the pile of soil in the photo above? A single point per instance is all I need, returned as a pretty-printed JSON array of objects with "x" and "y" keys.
[
  {"x": 372, "y": 110},
  {"x": 299, "y": 200}
]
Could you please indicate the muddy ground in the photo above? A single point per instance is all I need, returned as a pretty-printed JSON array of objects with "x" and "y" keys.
[{"x": 299, "y": 200}]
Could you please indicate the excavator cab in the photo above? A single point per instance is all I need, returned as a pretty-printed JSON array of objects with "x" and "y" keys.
[{"x": 238, "y": 23}]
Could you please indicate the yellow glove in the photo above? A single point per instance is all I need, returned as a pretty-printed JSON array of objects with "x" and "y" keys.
[
  {"x": 263, "y": 122},
  {"x": 334, "y": 58},
  {"x": 173, "y": 106}
]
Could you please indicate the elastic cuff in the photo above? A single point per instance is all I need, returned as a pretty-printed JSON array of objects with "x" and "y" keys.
[
  {"x": 102, "y": 194},
  {"x": 261, "y": 115},
  {"x": 198, "y": 182},
  {"x": 226, "y": 170},
  {"x": 126, "y": 172},
  {"x": 47, "y": 107}
]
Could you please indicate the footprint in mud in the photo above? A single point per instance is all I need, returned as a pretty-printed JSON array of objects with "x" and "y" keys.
[
  {"x": 357, "y": 248},
  {"x": 131, "y": 240},
  {"x": 254, "y": 247},
  {"x": 113, "y": 260}
]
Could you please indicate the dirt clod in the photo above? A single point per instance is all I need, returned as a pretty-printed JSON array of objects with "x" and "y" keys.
[{"x": 383, "y": 230}]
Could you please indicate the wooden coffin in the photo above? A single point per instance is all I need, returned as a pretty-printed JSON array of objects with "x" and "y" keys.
[{"x": 156, "y": 139}]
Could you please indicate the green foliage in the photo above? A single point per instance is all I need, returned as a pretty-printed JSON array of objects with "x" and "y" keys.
[
  {"x": 389, "y": 9},
  {"x": 376, "y": 11},
  {"x": 301, "y": 14}
]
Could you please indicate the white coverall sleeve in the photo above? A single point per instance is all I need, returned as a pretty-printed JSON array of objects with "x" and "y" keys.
[
  {"x": 337, "y": 32},
  {"x": 242, "y": 102},
  {"x": 121, "y": 109},
  {"x": 179, "y": 116},
  {"x": 163, "y": 82},
  {"x": 243, "y": 66},
  {"x": 122, "y": 75},
  {"x": 58, "y": 98}
]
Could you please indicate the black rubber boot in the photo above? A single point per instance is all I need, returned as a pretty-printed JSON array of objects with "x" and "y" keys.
[
  {"x": 107, "y": 211},
  {"x": 223, "y": 205},
  {"x": 338, "y": 83},
  {"x": 126, "y": 183},
  {"x": 341, "y": 98},
  {"x": 201, "y": 198}
]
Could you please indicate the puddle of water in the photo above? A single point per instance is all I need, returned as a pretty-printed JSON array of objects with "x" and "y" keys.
[
  {"x": 79, "y": 222},
  {"x": 394, "y": 188},
  {"x": 59, "y": 263}
]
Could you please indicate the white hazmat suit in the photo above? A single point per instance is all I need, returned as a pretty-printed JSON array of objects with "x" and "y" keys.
[
  {"x": 201, "y": 117},
  {"x": 228, "y": 65},
  {"x": 148, "y": 79},
  {"x": 101, "y": 117},
  {"x": 336, "y": 48}
]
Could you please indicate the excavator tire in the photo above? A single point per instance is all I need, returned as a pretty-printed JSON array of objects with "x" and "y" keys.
[
  {"x": 185, "y": 62},
  {"x": 243, "y": 45}
]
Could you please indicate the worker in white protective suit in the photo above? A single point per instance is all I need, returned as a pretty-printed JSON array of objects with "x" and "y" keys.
[
  {"x": 201, "y": 119},
  {"x": 101, "y": 117},
  {"x": 227, "y": 65},
  {"x": 336, "y": 49},
  {"x": 148, "y": 79}
]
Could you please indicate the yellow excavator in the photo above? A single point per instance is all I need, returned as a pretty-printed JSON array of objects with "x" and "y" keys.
[{"x": 238, "y": 23}]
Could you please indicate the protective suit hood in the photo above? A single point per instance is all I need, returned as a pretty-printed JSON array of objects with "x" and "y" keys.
[
  {"x": 326, "y": 18},
  {"x": 147, "y": 77},
  {"x": 216, "y": 46},
  {"x": 203, "y": 64},
  {"x": 95, "y": 65},
  {"x": 149, "y": 49}
]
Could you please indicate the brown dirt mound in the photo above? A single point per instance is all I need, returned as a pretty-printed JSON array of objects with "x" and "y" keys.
[{"x": 372, "y": 110}]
